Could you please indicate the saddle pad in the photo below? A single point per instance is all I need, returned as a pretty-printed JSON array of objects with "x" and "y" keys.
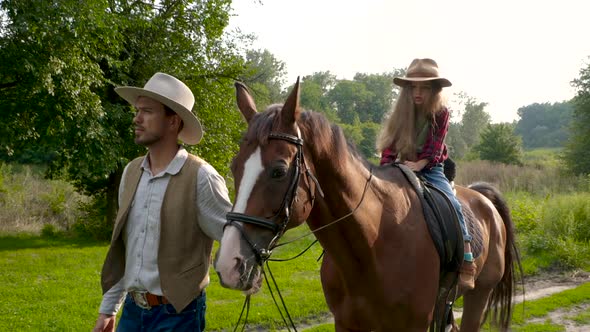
[
  {"x": 474, "y": 230},
  {"x": 441, "y": 220}
]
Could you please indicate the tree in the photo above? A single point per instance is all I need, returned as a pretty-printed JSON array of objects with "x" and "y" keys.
[
  {"x": 544, "y": 125},
  {"x": 381, "y": 95},
  {"x": 347, "y": 96},
  {"x": 499, "y": 143},
  {"x": 576, "y": 153},
  {"x": 264, "y": 76},
  {"x": 59, "y": 62},
  {"x": 314, "y": 98},
  {"x": 455, "y": 142},
  {"x": 367, "y": 143},
  {"x": 474, "y": 120},
  {"x": 324, "y": 79}
]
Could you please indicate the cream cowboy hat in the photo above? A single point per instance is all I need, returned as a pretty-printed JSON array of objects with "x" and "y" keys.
[
  {"x": 422, "y": 70},
  {"x": 171, "y": 92}
]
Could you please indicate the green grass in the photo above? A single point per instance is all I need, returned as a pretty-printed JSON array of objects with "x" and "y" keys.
[
  {"x": 541, "y": 308},
  {"x": 539, "y": 327},
  {"x": 321, "y": 328},
  {"x": 53, "y": 284},
  {"x": 582, "y": 318}
]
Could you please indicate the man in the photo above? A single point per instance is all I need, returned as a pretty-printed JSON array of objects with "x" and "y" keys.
[{"x": 172, "y": 206}]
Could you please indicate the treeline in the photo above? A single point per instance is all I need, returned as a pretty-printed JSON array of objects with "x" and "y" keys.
[
  {"x": 360, "y": 105},
  {"x": 59, "y": 63}
]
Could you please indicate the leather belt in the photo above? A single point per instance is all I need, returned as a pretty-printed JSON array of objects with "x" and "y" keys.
[{"x": 147, "y": 300}]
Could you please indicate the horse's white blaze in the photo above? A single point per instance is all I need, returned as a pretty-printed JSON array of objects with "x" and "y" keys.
[
  {"x": 252, "y": 169},
  {"x": 229, "y": 252}
]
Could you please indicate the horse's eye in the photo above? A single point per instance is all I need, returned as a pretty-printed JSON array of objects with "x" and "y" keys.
[{"x": 278, "y": 172}]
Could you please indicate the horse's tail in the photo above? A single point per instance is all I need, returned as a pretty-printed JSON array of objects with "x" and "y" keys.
[{"x": 500, "y": 300}]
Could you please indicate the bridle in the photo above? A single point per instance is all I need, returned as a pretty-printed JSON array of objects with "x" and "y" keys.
[{"x": 278, "y": 229}]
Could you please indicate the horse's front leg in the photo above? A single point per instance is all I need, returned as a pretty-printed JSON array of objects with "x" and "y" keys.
[{"x": 342, "y": 328}]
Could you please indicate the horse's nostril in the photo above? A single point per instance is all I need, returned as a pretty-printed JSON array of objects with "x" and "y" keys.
[{"x": 239, "y": 265}]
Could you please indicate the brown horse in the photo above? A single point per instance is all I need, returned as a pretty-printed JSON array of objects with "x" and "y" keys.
[{"x": 380, "y": 271}]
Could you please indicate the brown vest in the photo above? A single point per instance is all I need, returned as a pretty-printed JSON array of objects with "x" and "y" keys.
[{"x": 184, "y": 252}]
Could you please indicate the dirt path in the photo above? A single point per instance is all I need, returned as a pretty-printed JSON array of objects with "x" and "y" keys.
[
  {"x": 538, "y": 287},
  {"x": 535, "y": 287},
  {"x": 547, "y": 284}
]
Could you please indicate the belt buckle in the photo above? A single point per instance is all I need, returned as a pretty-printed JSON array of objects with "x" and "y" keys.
[{"x": 141, "y": 300}]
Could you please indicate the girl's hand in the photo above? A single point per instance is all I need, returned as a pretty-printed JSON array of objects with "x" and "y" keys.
[{"x": 416, "y": 166}]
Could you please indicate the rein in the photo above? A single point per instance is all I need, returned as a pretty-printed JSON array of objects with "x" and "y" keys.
[{"x": 331, "y": 223}]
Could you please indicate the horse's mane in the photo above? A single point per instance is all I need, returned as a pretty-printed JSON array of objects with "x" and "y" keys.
[
  {"x": 328, "y": 138},
  {"x": 312, "y": 123}
]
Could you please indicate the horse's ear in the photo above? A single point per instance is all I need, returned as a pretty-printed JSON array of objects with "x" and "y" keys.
[
  {"x": 290, "y": 111},
  {"x": 245, "y": 101}
]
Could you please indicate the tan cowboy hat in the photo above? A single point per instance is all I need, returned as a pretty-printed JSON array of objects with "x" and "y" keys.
[
  {"x": 171, "y": 92},
  {"x": 422, "y": 70}
]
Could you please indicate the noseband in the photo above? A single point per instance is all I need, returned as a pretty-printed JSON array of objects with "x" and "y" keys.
[{"x": 278, "y": 229}]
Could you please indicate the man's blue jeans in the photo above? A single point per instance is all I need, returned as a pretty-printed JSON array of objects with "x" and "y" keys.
[
  {"x": 163, "y": 317},
  {"x": 436, "y": 177}
]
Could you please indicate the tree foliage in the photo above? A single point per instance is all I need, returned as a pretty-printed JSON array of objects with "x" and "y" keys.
[
  {"x": 576, "y": 152},
  {"x": 314, "y": 94},
  {"x": 499, "y": 143},
  {"x": 264, "y": 75},
  {"x": 380, "y": 96},
  {"x": 473, "y": 122},
  {"x": 544, "y": 125},
  {"x": 347, "y": 96},
  {"x": 455, "y": 142},
  {"x": 468, "y": 121},
  {"x": 59, "y": 62}
]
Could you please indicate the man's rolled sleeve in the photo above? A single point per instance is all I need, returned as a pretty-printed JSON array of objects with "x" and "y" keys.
[
  {"x": 112, "y": 299},
  {"x": 212, "y": 201}
]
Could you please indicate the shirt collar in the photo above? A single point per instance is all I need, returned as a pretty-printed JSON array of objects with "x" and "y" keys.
[{"x": 175, "y": 164}]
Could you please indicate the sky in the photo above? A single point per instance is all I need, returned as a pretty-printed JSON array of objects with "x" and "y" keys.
[{"x": 507, "y": 53}]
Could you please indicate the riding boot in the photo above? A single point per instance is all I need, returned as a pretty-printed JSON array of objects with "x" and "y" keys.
[{"x": 467, "y": 275}]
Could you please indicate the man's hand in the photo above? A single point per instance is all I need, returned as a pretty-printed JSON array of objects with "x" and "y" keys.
[
  {"x": 104, "y": 323},
  {"x": 416, "y": 166}
]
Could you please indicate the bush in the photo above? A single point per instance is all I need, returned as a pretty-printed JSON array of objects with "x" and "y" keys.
[
  {"x": 29, "y": 202},
  {"x": 570, "y": 253},
  {"x": 567, "y": 216},
  {"x": 49, "y": 231},
  {"x": 556, "y": 227},
  {"x": 524, "y": 211},
  {"x": 499, "y": 143},
  {"x": 94, "y": 224}
]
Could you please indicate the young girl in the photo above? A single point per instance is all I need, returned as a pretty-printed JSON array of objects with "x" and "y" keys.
[{"x": 414, "y": 134}]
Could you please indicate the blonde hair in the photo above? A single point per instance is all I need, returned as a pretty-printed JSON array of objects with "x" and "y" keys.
[{"x": 399, "y": 128}]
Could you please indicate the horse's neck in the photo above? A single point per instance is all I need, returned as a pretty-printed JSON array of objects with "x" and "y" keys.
[
  {"x": 355, "y": 204},
  {"x": 340, "y": 212},
  {"x": 343, "y": 183}
]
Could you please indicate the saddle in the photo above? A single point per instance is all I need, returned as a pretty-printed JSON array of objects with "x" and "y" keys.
[
  {"x": 444, "y": 228},
  {"x": 441, "y": 219}
]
